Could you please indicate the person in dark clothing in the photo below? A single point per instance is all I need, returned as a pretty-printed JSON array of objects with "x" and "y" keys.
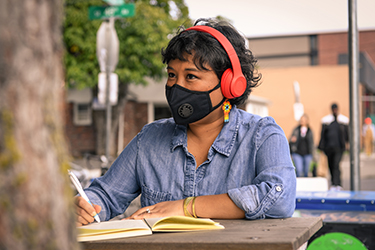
[
  {"x": 333, "y": 142},
  {"x": 301, "y": 145}
]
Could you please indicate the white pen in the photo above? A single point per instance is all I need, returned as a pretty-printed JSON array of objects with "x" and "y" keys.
[{"x": 79, "y": 188}]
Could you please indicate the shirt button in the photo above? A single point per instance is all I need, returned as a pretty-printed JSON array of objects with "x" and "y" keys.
[{"x": 278, "y": 188}]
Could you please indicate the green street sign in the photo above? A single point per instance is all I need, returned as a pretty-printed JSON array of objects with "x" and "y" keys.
[
  {"x": 115, "y": 2},
  {"x": 103, "y": 12}
]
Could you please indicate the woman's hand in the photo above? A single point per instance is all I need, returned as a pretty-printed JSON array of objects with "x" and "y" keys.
[
  {"x": 162, "y": 209},
  {"x": 85, "y": 211}
]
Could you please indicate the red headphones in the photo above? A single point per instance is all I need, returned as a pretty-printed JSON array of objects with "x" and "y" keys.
[{"x": 233, "y": 82}]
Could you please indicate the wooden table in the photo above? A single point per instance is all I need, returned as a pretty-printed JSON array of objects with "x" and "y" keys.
[{"x": 275, "y": 234}]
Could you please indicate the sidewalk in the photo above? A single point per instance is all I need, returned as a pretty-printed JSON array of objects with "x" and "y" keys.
[{"x": 367, "y": 172}]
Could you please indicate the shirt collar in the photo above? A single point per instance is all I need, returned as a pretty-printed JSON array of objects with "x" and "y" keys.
[{"x": 224, "y": 142}]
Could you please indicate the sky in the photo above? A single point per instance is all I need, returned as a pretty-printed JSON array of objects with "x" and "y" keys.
[{"x": 260, "y": 18}]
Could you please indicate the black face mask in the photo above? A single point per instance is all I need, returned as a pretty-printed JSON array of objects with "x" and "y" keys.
[{"x": 189, "y": 106}]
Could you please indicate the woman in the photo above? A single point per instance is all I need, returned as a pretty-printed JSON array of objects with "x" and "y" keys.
[
  {"x": 212, "y": 159},
  {"x": 302, "y": 147}
]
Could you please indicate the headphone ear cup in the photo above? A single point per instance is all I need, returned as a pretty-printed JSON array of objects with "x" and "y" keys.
[
  {"x": 232, "y": 86},
  {"x": 226, "y": 82}
]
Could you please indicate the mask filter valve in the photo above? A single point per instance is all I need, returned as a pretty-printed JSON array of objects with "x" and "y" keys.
[{"x": 185, "y": 110}]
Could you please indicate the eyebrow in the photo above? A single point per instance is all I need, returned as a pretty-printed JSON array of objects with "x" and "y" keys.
[{"x": 186, "y": 69}]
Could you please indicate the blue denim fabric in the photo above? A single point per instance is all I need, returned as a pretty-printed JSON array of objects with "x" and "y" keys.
[
  {"x": 249, "y": 160},
  {"x": 302, "y": 163}
]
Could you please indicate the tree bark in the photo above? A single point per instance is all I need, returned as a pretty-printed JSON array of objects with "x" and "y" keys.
[{"x": 36, "y": 210}]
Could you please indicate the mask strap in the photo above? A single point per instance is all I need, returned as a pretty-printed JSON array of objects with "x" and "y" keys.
[
  {"x": 215, "y": 88},
  {"x": 222, "y": 101}
]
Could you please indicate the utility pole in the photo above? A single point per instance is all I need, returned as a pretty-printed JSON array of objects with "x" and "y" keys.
[
  {"x": 354, "y": 96},
  {"x": 107, "y": 50},
  {"x": 108, "y": 79}
]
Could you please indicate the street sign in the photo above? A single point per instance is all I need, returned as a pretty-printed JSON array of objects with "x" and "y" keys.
[
  {"x": 104, "y": 12},
  {"x": 113, "y": 88},
  {"x": 114, "y": 2},
  {"x": 107, "y": 46}
]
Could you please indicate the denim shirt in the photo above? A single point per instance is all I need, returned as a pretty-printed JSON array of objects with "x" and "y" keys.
[{"x": 249, "y": 160}]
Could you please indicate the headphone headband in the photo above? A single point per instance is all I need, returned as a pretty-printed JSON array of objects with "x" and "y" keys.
[
  {"x": 237, "y": 82},
  {"x": 224, "y": 42}
]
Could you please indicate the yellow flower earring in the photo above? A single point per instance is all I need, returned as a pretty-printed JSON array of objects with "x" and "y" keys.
[{"x": 226, "y": 108}]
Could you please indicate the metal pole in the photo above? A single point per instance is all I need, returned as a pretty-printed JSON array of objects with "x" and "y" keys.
[
  {"x": 354, "y": 96},
  {"x": 107, "y": 102}
]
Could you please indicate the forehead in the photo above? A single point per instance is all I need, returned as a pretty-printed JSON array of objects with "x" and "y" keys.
[
  {"x": 177, "y": 65},
  {"x": 192, "y": 61}
]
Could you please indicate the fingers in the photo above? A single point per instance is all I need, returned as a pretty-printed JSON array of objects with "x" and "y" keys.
[
  {"x": 97, "y": 208},
  {"x": 83, "y": 217},
  {"x": 84, "y": 205},
  {"x": 162, "y": 209},
  {"x": 83, "y": 221},
  {"x": 85, "y": 211},
  {"x": 142, "y": 213}
]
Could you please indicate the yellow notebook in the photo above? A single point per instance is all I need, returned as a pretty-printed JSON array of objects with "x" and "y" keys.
[{"x": 131, "y": 228}]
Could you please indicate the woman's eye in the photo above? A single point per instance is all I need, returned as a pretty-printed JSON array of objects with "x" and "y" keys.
[
  {"x": 171, "y": 75},
  {"x": 190, "y": 76}
]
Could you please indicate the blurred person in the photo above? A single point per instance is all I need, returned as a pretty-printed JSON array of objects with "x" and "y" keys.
[
  {"x": 302, "y": 146},
  {"x": 368, "y": 133},
  {"x": 333, "y": 142},
  {"x": 211, "y": 159}
]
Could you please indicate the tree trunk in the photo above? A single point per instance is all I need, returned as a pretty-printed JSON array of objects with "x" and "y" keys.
[{"x": 36, "y": 210}]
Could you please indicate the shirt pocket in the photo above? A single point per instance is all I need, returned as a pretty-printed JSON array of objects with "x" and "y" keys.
[{"x": 150, "y": 197}]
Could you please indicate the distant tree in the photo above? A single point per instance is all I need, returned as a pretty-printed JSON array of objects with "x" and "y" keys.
[
  {"x": 141, "y": 39},
  {"x": 36, "y": 211}
]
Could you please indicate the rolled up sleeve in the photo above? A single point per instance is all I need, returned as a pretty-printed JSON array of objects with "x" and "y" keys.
[{"x": 273, "y": 190}]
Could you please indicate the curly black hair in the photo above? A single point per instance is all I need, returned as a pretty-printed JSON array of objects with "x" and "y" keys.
[{"x": 206, "y": 50}]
